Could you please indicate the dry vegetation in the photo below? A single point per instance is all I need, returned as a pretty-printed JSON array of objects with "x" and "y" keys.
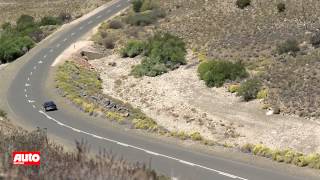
[
  {"x": 12, "y": 9},
  {"x": 56, "y": 163}
]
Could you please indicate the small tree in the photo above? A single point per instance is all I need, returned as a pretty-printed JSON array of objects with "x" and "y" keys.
[
  {"x": 315, "y": 40},
  {"x": 243, "y": 3},
  {"x": 281, "y": 7},
  {"x": 24, "y": 22},
  {"x": 290, "y": 45},
  {"x": 249, "y": 89},
  {"x": 137, "y": 4}
]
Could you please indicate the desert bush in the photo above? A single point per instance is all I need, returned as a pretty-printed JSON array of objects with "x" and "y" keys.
[
  {"x": 65, "y": 17},
  {"x": 24, "y": 22},
  {"x": 249, "y": 89},
  {"x": 215, "y": 73},
  {"x": 289, "y": 155},
  {"x": 164, "y": 52},
  {"x": 262, "y": 150},
  {"x": 167, "y": 49},
  {"x": 145, "y": 123},
  {"x": 12, "y": 46},
  {"x": 141, "y": 19},
  {"x": 149, "y": 5},
  {"x": 315, "y": 40},
  {"x": 281, "y": 7},
  {"x": 136, "y": 5},
  {"x": 149, "y": 67},
  {"x": 108, "y": 42},
  {"x": 50, "y": 20},
  {"x": 3, "y": 113},
  {"x": 114, "y": 116},
  {"x": 233, "y": 88},
  {"x": 262, "y": 94},
  {"x": 132, "y": 49},
  {"x": 289, "y": 46},
  {"x": 243, "y": 3},
  {"x": 196, "y": 136},
  {"x": 6, "y": 26},
  {"x": 180, "y": 134},
  {"x": 115, "y": 24},
  {"x": 247, "y": 148}
]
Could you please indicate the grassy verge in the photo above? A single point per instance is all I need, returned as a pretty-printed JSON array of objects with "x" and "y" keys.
[
  {"x": 79, "y": 84},
  {"x": 284, "y": 156}
]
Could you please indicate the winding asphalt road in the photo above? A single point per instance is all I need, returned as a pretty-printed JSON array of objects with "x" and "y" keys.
[{"x": 29, "y": 90}]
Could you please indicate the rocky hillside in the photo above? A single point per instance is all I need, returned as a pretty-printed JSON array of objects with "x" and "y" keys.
[
  {"x": 221, "y": 30},
  {"x": 12, "y": 9}
]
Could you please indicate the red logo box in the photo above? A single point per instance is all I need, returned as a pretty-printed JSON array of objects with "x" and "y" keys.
[{"x": 26, "y": 158}]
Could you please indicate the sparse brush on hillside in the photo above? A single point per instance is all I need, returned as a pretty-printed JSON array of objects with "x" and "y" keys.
[
  {"x": 249, "y": 89},
  {"x": 145, "y": 13},
  {"x": 56, "y": 163}
]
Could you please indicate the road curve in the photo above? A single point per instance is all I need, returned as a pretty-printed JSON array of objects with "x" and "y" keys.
[{"x": 28, "y": 91}]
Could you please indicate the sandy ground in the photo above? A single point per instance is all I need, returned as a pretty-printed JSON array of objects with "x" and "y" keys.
[{"x": 179, "y": 101}]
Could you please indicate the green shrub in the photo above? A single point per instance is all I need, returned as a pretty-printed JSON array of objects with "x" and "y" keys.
[
  {"x": 196, "y": 136},
  {"x": 313, "y": 161},
  {"x": 24, "y": 22},
  {"x": 247, "y": 148},
  {"x": 262, "y": 150},
  {"x": 6, "y": 26},
  {"x": 243, "y": 3},
  {"x": 281, "y": 7},
  {"x": 114, "y": 116},
  {"x": 108, "y": 42},
  {"x": 65, "y": 17},
  {"x": 149, "y": 67},
  {"x": 249, "y": 89},
  {"x": 145, "y": 123},
  {"x": 132, "y": 49},
  {"x": 149, "y": 5},
  {"x": 50, "y": 20},
  {"x": 3, "y": 113},
  {"x": 289, "y": 46},
  {"x": 12, "y": 46},
  {"x": 167, "y": 49},
  {"x": 300, "y": 160},
  {"x": 180, "y": 134},
  {"x": 262, "y": 94},
  {"x": 289, "y": 155},
  {"x": 164, "y": 52},
  {"x": 141, "y": 19},
  {"x": 215, "y": 73},
  {"x": 233, "y": 88},
  {"x": 315, "y": 40},
  {"x": 136, "y": 5},
  {"x": 115, "y": 24}
]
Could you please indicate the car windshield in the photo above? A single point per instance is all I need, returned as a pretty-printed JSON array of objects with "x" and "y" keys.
[{"x": 50, "y": 103}]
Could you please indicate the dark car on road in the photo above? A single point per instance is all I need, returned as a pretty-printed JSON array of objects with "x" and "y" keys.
[{"x": 50, "y": 106}]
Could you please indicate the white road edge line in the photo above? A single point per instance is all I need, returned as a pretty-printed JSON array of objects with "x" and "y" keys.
[
  {"x": 34, "y": 107},
  {"x": 141, "y": 149},
  {"x": 25, "y": 90},
  {"x": 31, "y": 73}
]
